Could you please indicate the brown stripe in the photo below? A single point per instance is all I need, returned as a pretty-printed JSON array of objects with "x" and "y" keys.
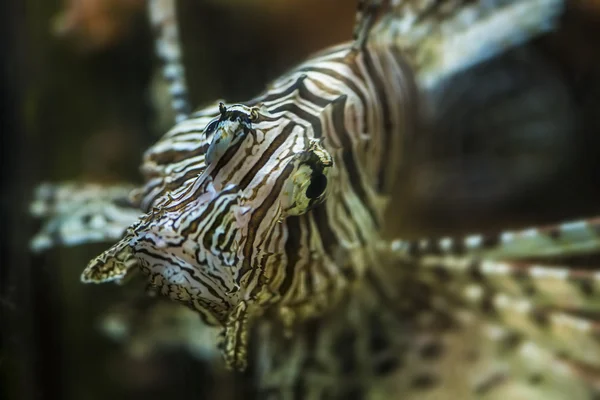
[
  {"x": 266, "y": 155},
  {"x": 171, "y": 156},
  {"x": 347, "y": 82},
  {"x": 383, "y": 105},
  {"x": 256, "y": 219},
  {"x": 351, "y": 168}
]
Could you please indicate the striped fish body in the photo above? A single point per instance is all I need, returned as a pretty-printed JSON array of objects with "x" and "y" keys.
[{"x": 217, "y": 235}]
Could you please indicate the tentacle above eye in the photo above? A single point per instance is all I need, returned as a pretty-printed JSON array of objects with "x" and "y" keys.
[{"x": 234, "y": 123}]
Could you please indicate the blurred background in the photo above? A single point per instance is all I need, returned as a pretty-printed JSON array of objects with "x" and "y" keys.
[{"x": 81, "y": 101}]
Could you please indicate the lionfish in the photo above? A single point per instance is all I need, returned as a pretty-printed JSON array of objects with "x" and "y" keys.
[{"x": 274, "y": 220}]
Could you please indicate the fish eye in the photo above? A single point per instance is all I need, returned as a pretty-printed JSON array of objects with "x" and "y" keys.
[
  {"x": 318, "y": 184},
  {"x": 210, "y": 128},
  {"x": 307, "y": 185}
]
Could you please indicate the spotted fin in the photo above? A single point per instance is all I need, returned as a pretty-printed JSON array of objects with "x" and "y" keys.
[
  {"x": 564, "y": 239},
  {"x": 541, "y": 317},
  {"x": 478, "y": 359}
]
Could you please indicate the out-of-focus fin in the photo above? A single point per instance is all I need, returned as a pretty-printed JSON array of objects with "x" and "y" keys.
[
  {"x": 366, "y": 15},
  {"x": 147, "y": 325},
  {"x": 530, "y": 369},
  {"x": 565, "y": 332},
  {"x": 546, "y": 373},
  {"x": 477, "y": 38},
  {"x": 444, "y": 38},
  {"x": 163, "y": 18},
  {"x": 81, "y": 213},
  {"x": 541, "y": 317},
  {"x": 549, "y": 284},
  {"x": 563, "y": 239}
]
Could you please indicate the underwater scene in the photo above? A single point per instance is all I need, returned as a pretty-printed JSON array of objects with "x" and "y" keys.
[{"x": 300, "y": 199}]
